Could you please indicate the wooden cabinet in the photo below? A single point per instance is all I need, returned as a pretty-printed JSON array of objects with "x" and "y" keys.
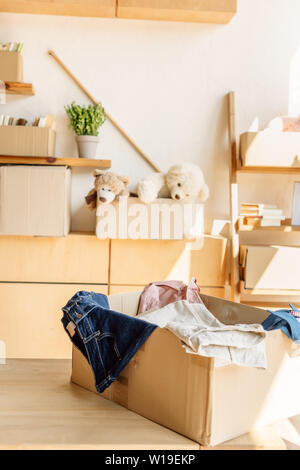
[
  {"x": 138, "y": 262},
  {"x": 30, "y": 314},
  {"x": 39, "y": 275},
  {"x": 205, "y": 11},
  {"x": 92, "y": 8},
  {"x": 76, "y": 258}
]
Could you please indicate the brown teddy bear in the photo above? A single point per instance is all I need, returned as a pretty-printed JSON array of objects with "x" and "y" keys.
[{"x": 108, "y": 187}]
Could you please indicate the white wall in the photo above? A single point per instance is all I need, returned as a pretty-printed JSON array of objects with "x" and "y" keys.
[{"x": 165, "y": 84}]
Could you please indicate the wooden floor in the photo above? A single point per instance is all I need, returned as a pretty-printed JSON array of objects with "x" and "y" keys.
[{"x": 41, "y": 409}]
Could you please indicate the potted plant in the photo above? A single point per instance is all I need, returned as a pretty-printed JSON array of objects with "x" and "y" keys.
[{"x": 86, "y": 122}]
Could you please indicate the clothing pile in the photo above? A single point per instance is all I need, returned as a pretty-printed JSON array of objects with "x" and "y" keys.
[{"x": 109, "y": 339}]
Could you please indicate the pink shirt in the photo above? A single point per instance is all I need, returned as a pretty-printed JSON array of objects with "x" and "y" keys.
[{"x": 159, "y": 294}]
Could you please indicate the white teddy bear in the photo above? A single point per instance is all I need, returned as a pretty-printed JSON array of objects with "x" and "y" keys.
[{"x": 183, "y": 182}]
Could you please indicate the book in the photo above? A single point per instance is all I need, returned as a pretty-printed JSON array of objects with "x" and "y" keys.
[{"x": 272, "y": 222}]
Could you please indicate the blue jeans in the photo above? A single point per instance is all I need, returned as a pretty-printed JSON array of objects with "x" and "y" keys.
[
  {"x": 106, "y": 338},
  {"x": 284, "y": 321}
]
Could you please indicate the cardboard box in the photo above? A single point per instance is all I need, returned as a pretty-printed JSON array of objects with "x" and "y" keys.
[
  {"x": 11, "y": 66},
  {"x": 163, "y": 219},
  {"x": 187, "y": 394},
  {"x": 27, "y": 141},
  {"x": 270, "y": 148},
  {"x": 271, "y": 267},
  {"x": 35, "y": 200}
]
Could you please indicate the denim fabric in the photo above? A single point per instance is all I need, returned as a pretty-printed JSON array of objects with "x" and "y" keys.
[
  {"x": 106, "y": 338},
  {"x": 285, "y": 321}
]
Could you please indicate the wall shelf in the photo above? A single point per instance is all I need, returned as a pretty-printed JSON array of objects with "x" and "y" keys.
[
  {"x": 269, "y": 292},
  {"x": 74, "y": 162},
  {"x": 285, "y": 227},
  {"x": 289, "y": 170},
  {"x": 19, "y": 88}
]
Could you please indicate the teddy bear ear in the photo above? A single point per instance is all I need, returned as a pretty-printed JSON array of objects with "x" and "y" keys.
[
  {"x": 91, "y": 199},
  {"x": 99, "y": 172},
  {"x": 124, "y": 180}
]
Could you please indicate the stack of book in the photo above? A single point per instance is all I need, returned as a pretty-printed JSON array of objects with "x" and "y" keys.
[
  {"x": 47, "y": 121},
  {"x": 261, "y": 215},
  {"x": 12, "y": 47}
]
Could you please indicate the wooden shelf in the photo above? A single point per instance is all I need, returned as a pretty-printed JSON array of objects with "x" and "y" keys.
[
  {"x": 269, "y": 292},
  {"x": 285, "y": 227},
  {"x": 78, "y": 162},
  {"x": 19, "y": 88},
  {"x": 289, "y": 170}
]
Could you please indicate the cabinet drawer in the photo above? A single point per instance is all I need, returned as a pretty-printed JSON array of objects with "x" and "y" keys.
[
  {"x": 30, "y": 317},
  {"x": 139, "y": 262},
  {"x": 76, "y": 258}
]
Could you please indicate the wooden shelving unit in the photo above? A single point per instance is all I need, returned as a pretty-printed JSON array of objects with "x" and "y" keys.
[
  {"x": 237, "y": 226},
  {"x": 19, "y": 88},
  {"x": 73, "y": 162}
]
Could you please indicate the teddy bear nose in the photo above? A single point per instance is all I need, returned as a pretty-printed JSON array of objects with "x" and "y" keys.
[
  {"x": 102, "y": 199},
  {"x": 177, "y": 196}
]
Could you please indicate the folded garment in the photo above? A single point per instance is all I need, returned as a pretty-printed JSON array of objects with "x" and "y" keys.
[
  {"x": 106, "y": 338},
  {"x": 202, "y": 333},
  {"x": 285, "y": 320},
  {"x": 159, "y": 294}
]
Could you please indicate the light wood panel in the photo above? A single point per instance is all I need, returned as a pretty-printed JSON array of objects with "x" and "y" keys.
[
  {"x": 77, "y": 258},
  {"x": 30, "y": 317},
  {"x": 80, "y": 162},
  {"x": 206, "y": 11},
  {"x": 41, "y": 409},
  {"x": 139, "y": 262},
  {"x": 92, "y": 8}
]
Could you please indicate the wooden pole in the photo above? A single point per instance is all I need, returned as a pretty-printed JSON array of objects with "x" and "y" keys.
[
  {"x": 125, "y": 135},
  {"x": 234, "y": 203}
]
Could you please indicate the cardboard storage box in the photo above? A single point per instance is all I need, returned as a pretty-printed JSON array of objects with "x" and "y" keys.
[
  {"x": 11, "y": 66},
  {"x": 270, "y": 148},
  {"x": 27, "y": 141},
  {"x": 164, "y": 219},
  {"x": 187, "y": 394},
  {"x": 271, "y": 267},
  {"x": 35, "y": 200}
]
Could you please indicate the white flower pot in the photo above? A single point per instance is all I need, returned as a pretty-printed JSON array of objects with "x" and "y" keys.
[{"x": 87, "y": 146}]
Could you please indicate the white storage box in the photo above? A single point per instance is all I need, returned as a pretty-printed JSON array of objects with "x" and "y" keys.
[
  {"x": 35, "y": 200},
  {"x": 187, "y": 394},
  {"x": 270, "y": 148},
  {"x": 164, "y": 219},
  {"x": 271, "y": 267}
]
